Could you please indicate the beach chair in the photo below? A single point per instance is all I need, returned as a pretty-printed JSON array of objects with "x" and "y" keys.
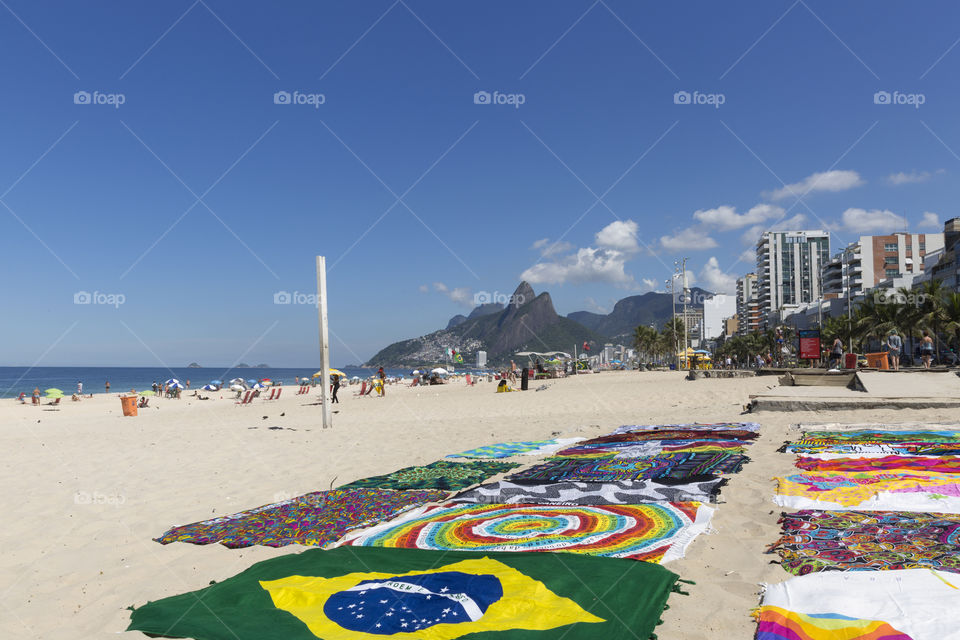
[
  {"x": 415, "y": 382},
  {"x": 279, "y": 391},
  {"x": 469, "y": 379},
  {"x": 273, "y": 392},
  {"x": 246, "y": 398},
  {"x": 363, "y": 388}
]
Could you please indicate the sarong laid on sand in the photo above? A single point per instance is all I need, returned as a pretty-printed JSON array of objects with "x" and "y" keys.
[
  {"x": 898, "y": 449},
  {"x": 651, "y": 448},
  {"x": 702, "y": 426},
  {"x": 666, "y": 469},
  {"x": 317, "y": 518},
  {"x": 592, "y": 493},
  {"x": 912, "y": 604},
  {"x": 655, "y": 532},
  {"x": 933, "y": 464},
  {"x": 442, "y": 474},
  {"x": 675, "y": 434},
  {"x": 873, "y": 491},
  {"x": 509, "y": 449},
  {"x": 877, "y": 436},
  {"x": 868, "y": 540},
  {"x": 349, "y": 594}
]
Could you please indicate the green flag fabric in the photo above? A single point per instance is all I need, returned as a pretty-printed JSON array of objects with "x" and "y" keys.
[{"x": 371, "y": 593}]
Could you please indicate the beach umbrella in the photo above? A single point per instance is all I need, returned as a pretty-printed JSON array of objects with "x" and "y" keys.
[
  {"x": 171, "y": 382},
  {"x": 415, "y": 372},
  {"x": 251, "y": 382},
  {"x": 258, "y": 386},
  {"x": 54, "y": 391},
  {"x": 175, "y": 385},
  {"x": 237, "y": 387},
  {"x": 266, "y": 382},
  {"x": 209, "y": 387},
  {"x": 217, "y": 382},
  {"x": 440, "y": 371},
  {"x": 148, "y": 392},
  {"x": 237, "y": 381},
  {"x": 338, "y": 373}
]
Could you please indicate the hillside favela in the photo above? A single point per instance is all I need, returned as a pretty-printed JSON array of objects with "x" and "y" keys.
[{"x": 515, "y": 320}]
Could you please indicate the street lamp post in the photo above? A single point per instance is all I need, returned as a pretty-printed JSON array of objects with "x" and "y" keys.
[
  {"x": 686, "y": 294},
  {"x": 673, "y": 319}
]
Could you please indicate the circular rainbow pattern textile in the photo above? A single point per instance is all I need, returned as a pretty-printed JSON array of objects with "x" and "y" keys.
[{"x": 650, "y": 532}]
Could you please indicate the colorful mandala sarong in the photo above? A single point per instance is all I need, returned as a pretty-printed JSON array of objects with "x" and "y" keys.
[
  {"x": 510, "y": 449},
  {"x": 774, "y": 623},
  {"x": 676, "y": 434},
  {"x": 651, "y": 448},
  {"x": 653, "y": 532},
  {"x": 887, "y": 463},
  {"x": 448, "y": 476},
  {"x": 700, "y": 426},
  {"x": 665, "y": 469},
  {"x": 868, "y": 540},
  {"x": 850, "y": 489},
  {"x": 314, "y": 519}
]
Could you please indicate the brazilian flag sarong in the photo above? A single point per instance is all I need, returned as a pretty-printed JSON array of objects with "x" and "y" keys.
[{"x": 370, "y": 593}]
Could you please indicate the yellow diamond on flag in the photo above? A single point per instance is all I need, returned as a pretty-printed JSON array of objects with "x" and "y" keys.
[{"x": 440, "y": 604}]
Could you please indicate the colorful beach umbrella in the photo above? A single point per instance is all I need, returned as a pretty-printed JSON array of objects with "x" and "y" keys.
[
  {"x": 148, "y": 392},
  {"x": 171, "y": 382},
  {"x": 54, "y": 393},
  {"x": 266, "y": 382}
]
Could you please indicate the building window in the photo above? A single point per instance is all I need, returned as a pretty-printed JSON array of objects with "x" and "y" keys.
[
  {"x": 892, "y": 273},
  {"x": 890, "y": 246},
  {"x": 891, "y": 260},
  {"x": 923, "y": 246}
]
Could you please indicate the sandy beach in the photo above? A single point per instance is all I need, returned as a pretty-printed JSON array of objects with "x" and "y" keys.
[{"x": 87, "y": 489}]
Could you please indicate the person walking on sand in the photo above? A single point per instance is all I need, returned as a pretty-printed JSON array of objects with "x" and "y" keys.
[
  {"x": 79, "y": 388},
  {"x": 336, "y": 387},
  {"x": 836, "y": 352},
  {"x": 926, "y": 350},
  {"x": 107, "y": 386},
  {"x": 36, "y": 395},
  {"x": 894, "y": 346}
]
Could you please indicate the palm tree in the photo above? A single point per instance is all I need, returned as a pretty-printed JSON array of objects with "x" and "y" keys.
[
  {"x": 951, "y": 317},
  {"x": 674, "y": 329},
  {"x": 644, "y": 341},
  {"x": 932, "y": 307}
]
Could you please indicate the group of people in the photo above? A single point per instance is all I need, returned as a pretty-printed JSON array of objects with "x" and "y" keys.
[{"x": 894, "y": 348}]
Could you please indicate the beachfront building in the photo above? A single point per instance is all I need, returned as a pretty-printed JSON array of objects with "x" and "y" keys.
[
  {"x": 481, "y": 359},
  {"x": 730, "y": 327},
  {"x": 693, "y": 320},
  {"x": 748, "y": 308},
  {"x": 894, "y": 260},
  {"x": 788, "y": 271},
  {"x": 944, "y": 264},
  {"x": 715, "y": 309}
]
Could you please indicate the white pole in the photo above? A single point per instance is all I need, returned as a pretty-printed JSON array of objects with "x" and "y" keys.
[{"x": 324, "y": 342}]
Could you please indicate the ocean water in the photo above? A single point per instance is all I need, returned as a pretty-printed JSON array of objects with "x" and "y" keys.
[{"x": 13, "y": 380}]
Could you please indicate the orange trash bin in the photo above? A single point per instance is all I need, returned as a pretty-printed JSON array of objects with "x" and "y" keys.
[
  {"x": 878, "y": 360},
  {"x": 129, "y": 404}
]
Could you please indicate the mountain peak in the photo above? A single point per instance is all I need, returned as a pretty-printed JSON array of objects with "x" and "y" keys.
[{"x": 523, "y": 294}]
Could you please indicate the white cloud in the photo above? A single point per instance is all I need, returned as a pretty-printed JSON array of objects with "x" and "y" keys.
[
  {"x": 726, "y": 217},
  {"x": 900, "y": 177},
  {"x": 460, "y": 295},
  {"x": 595, "y": 307},
  {"x": 749, "y": 256},
  {"x": 620, "y": 235},
  {"x": 588, "y": 264},
  {"x": 824, "y": 181},
  {"x": 547, "y": 248},
  {"x": 689, "y": 238},
  {"x": 930, "y": 220},
  {"x": 424, "y": 288},
  {"x": 715, "y": 279},
  {"x": 650, "y": 283},
  {"x": 863, "y": 221}
]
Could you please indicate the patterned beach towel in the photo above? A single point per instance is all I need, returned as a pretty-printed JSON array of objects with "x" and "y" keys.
[
  {"x": 665, "y": 469},
  {"x": 877, "y": 490},
  {"x": 655, "y": 532},
  {"x": 592, "y": 493},
  {"x": 448, "y": 476},
  {"x": 878, "y": 450},
  {"x": 314, "y": 519},
  {"x": 356, "y": 593},
  {"x": 509, "y": 449},
  {"x": 887, "y": 463},
  {"x": 674, "y": 434},
  {"x": 868, "y": 540},
  {"x": 651, "y": 448},
  {"x": 700, "y": 426},
  {"x": 912, "y": 604},
  {"x": 877, "y": 436}
]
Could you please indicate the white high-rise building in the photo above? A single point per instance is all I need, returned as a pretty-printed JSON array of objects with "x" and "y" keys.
[
  {"x": 788, "y": 270},
  {"x": 716, "y": 309},
  {"x": 748, "y": 314},
  {"x": 481, "y": 359}
]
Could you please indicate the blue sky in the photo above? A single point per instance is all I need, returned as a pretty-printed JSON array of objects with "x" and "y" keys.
[{"x": 189, "y": 206}]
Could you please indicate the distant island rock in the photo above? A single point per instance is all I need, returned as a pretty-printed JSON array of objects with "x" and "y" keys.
[
  {"x": 262, "y": 366},
  {"x": 242, "y": 365},
  {"x": 194, "y": 365}
]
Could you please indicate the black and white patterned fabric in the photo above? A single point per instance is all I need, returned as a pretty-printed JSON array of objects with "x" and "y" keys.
[{"x": 592, "y": 493}]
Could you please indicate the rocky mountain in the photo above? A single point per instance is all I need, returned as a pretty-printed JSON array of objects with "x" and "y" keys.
[
  {"x": 650, "y": 308},
  {"x": 528, "y": 323}
]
